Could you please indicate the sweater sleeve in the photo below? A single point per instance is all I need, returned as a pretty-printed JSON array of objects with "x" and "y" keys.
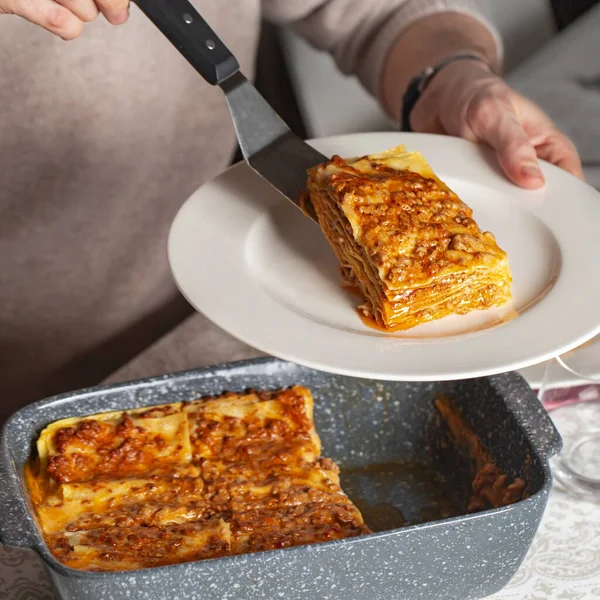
[{"x": 359, "y": 33}]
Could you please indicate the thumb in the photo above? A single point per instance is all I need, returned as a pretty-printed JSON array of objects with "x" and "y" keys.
[{"x": 495, "y": 123}]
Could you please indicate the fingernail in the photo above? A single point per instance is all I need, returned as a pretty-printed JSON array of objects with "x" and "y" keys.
[{"x": 532, "y": 170}]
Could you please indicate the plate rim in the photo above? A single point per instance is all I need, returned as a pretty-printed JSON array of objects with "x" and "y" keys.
[{"x": 281, "y": 352}]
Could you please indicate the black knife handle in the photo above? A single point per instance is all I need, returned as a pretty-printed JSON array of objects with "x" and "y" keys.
[{"x": 192, "y": 36}]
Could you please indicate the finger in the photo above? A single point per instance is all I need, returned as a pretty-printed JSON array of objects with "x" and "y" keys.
[
  {"x": 86, "y": 10},
  {"x": 495, "y": 123},
  {"x": 115, "y": 11},
  {"x": 558, "y": 149},
  {"x": 551, "y": 144},
  {"x": 48, "y": 14}
]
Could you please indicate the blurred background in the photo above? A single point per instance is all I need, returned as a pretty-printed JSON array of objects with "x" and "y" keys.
[{"x": 552, "y": 55}]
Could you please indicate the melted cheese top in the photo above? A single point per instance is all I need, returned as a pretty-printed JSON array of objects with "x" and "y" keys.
[{"x": 154, "y": 486}]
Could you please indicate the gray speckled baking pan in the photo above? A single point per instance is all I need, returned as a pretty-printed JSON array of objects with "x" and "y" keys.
[{"x": 396, "y": 465}]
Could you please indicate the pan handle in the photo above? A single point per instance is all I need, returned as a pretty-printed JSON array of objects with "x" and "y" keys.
[
  {"x": 523, "y": 402},
  {"x": 17, "y": 528},
  {"x": 15, "y": 523},
  {"x": 192, "y": 36}
]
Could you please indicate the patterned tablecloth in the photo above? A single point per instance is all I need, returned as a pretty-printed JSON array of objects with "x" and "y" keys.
[{"x": 563, "y": 563}]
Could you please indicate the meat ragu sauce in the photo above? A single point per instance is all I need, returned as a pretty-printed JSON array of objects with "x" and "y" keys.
[
  {"x": 491, "y": 486},
  {"x": 121, "y": 449},
  {"x": 188, "y": 481}
]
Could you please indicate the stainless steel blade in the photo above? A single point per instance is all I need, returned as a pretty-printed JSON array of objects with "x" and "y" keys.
[{"x": 267, "y": 144}]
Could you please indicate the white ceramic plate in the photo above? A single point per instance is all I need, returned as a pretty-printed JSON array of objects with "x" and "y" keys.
[{"x": 256, "y": 267}]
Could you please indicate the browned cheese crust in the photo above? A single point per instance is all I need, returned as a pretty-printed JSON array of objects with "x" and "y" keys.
[{"x": 188, "y": 481}]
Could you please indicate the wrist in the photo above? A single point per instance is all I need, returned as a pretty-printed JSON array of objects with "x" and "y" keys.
[
  {"x": 427, "y": 42},
  {"x": 421, "y": 82},
  {"x": 441, "y": 106}
]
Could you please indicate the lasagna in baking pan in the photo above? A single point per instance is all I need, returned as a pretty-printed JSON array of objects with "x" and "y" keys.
[
  {"x": 405, "y": 241},
  {"x": 187, "y": 481}
]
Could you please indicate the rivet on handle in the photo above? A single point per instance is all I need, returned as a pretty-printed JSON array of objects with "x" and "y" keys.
[{"x": 187, "y": 18}]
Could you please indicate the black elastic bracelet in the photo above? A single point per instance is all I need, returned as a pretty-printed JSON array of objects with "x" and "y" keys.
[{"x": 419, "y": 82}]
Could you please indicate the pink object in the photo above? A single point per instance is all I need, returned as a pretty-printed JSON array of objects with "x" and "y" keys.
[{"x": 571, "y": 395}]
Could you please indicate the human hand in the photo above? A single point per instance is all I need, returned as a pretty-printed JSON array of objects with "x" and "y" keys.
[
  {"x": 65, "y": 18},
  {"x": 466, "y": 99}
]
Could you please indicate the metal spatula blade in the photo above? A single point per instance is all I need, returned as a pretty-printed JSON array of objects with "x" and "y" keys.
[{"x": 267, "y": 143}]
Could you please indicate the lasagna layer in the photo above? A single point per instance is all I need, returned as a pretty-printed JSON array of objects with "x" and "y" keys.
[
  {"x": 297, "y": 525},
  {"x": 255, "y": 428},
  {"x": 128, "y": 548},
  {"x": 156, "y": 486},
  {"x": 405, "y": 241},
  {"x": 118, "y": 443}
]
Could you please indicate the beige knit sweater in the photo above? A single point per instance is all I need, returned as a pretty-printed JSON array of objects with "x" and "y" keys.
[{"x": 101, "y": 140}]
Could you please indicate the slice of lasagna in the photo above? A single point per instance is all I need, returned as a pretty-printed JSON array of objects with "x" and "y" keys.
[
  {"x": 187, "y": 481},
  {"x": 405, "y": 241},
  {"x": 273, "y": 428}
]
